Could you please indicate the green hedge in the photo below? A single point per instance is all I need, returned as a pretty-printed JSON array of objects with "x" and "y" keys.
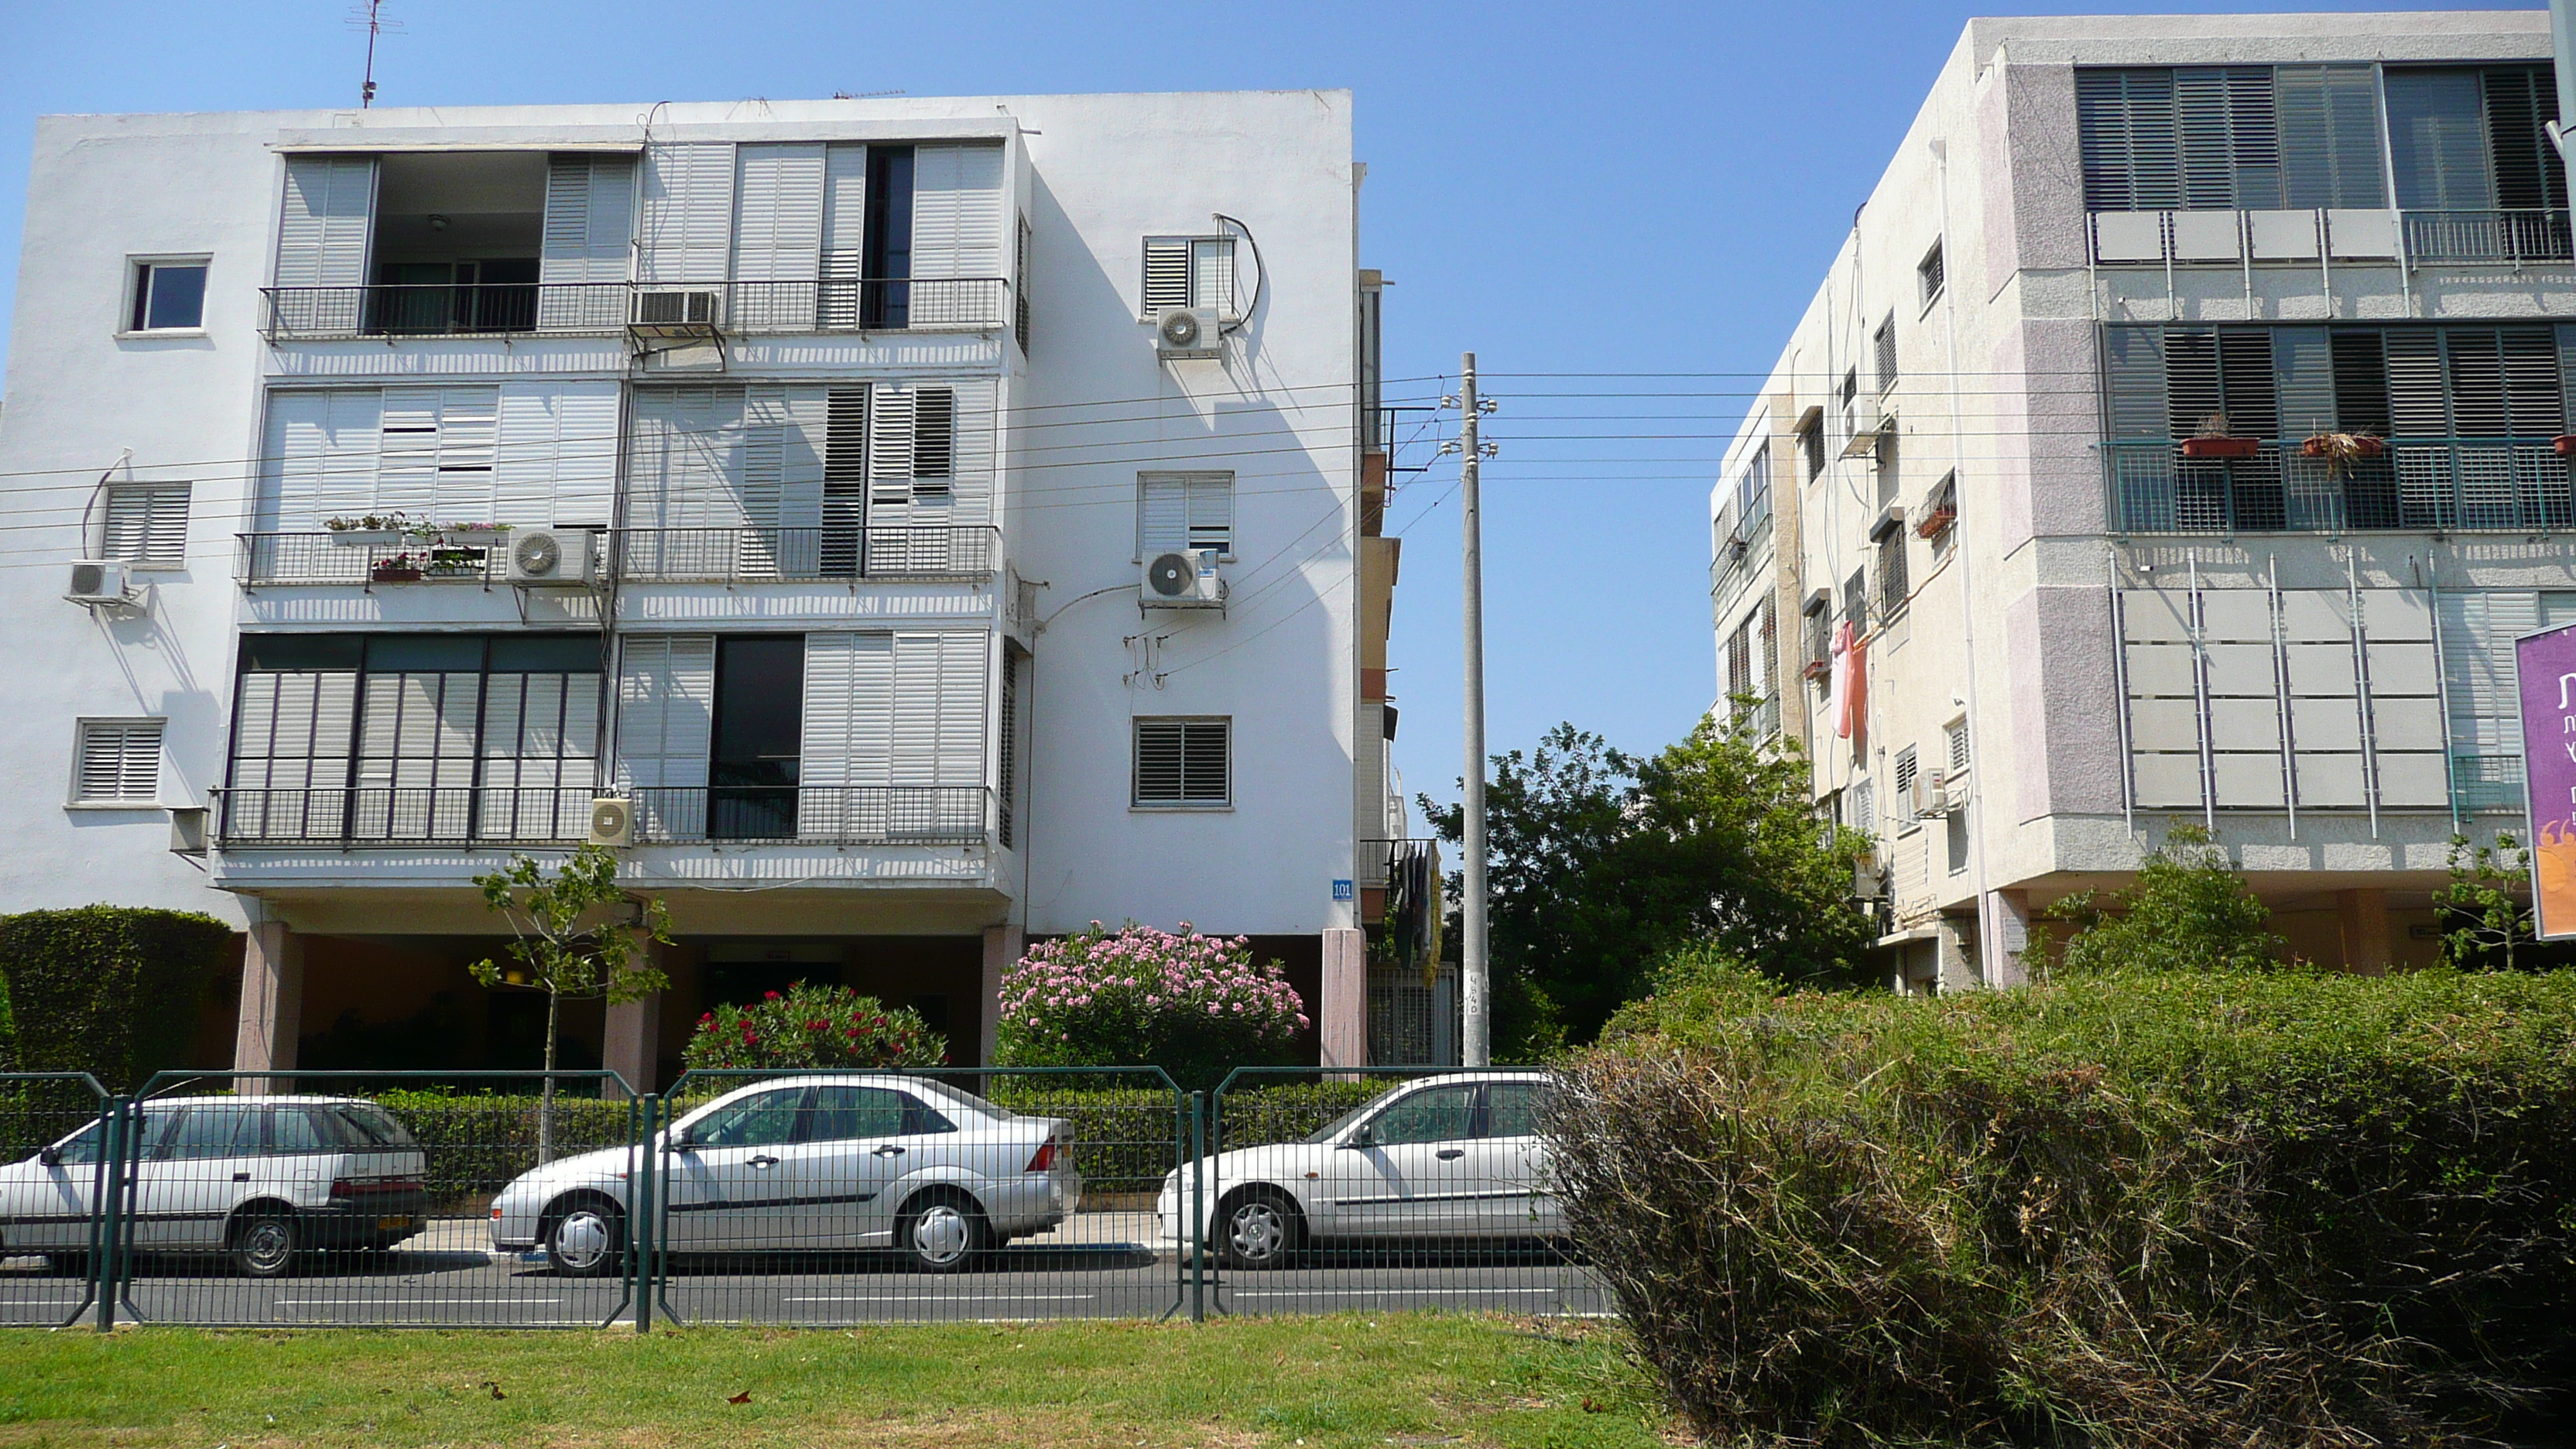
[
  {"x": 1124, "y": 1138},
  {"x": 477, "y": 1142},
  {"x": 107, "y": 990},
  {"x": 2180, "y": 1209}
]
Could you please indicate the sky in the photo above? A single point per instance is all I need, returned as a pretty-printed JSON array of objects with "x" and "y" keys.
[{"x": 1570, "y": 191}]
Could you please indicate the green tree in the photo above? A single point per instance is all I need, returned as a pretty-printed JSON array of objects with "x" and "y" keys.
[
  {"x": 1600, "y": 863},
  {"x": 2189, "y": 910},
  {"x": 2481, "y": 904},
  {"x": 567, "y": 949}
]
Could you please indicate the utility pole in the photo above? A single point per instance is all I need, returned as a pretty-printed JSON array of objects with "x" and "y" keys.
[{"x": 1474, "y": 981}]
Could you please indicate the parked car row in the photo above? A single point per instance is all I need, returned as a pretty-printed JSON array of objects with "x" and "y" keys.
[{"x": 817, "y": 1164}]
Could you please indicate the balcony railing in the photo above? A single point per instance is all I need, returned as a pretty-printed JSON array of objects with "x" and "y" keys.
[
  {"x": 1379, "y": 860},
  {"x": 645, "y": 555},
  {"x": 2506, "y": 237},
  {"x": 2500, "y": 485},
  {"x": 2365, "y": 235},
  {"x": 773, "y": 555},
  {"x": 577, "y": 308},
  {"x": 467, "y": 816}
]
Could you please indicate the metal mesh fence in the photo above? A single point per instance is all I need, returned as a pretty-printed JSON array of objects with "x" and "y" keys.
[
  {"x": 1379, "y": 1189},
  {"x": 53, "y": 1131}
]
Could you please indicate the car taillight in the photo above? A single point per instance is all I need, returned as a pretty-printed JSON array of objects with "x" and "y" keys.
[
  {"x": 1044, "y": 1161},
  {"x": 358, "y": 1186}
]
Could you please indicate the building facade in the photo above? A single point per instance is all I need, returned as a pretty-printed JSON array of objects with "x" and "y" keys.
[
  {"x": 897, "y": 526},
  {"x": 2180, "y": 435}
]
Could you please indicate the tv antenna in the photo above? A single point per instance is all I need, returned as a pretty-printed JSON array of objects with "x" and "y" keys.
[{"x": 369, "y": 16}]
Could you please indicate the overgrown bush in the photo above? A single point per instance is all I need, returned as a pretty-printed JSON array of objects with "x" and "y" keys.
[
  {"x": 811, "y": 1027},
  {"x": 2155, "y": 1209},
  {"x": 1196, "y": 1006},
  {"x": 2188, "y": 910},
  {"x": 108, "y": 990}
]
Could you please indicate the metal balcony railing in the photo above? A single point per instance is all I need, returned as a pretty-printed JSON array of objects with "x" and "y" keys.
[
  {"x": 771, "y": 555},
  {"x": 576, "y": 308},
  {"x": 2500, "y": 485},
  {"x": 338, "y": 558},
  {"x": 2505, "y": 237},
  {"x": 399, "y": 816}
]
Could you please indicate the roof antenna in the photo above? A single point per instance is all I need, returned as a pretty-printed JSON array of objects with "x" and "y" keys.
[{"x": 369, "y": 14}]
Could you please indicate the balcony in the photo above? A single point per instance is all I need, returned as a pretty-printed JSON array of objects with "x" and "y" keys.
[
  {"x": 2507, "y": 238},
  {"x": 2502, "y": 485},
  {"x": 503, "y": 309},
  {"x": 635, "y": 555},
  {"x": 400, "y": 817}
]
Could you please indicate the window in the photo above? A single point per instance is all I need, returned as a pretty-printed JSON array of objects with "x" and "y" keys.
[
  {"x": 758, "y": 740},
  {"x": 1184, "y": 762},
  {"x": 2473, "y": 140},
  {"x": 1189, "y": 271},
  {"x": 1893, "y": 585},
  {"x": 885, "y": 238},
  {"x": 1006, "y": 785},
  {"x": 843, "y": 1114},
  {"x": 764, "y": 1119},
  {"x": 1941, "y": 508},
  {"x": 145, "y": 523},
  {"x": 1883, "y": 348},
  {"x": 1436, "y": 1114},
  {"x": 209, "y": 1132},
  {"x": 1512, "y": 1109},
  {"x": 1192, "y": 511},
  {"x": 1928, "y": 276},
  {"x": 1958, "y": 733},
  {"x": 118, "y": 762},
  {"x": 1020, "y": 286},
  {"x": 1811, "y": 444},
  {"x": 1856, "y": 601},
  {"x": 1955, "y": 840},
  {"x": 1850, "y": 391},
  {"x": 1817, "y": 624},
  {"x": 292, "y": 1132},
  {"x": 1905, "y": 816},
  {"x": 1862, "y": 801},
  {"x": 168, "y": 297}
]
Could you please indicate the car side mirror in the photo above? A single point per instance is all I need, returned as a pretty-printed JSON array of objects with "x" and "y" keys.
[
  {"x": 50, "y": 1156},
  {"x": 685, "y": 1139},
  {"x": 1366, "y": 1136}
]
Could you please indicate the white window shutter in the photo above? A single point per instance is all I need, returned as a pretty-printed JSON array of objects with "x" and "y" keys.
[
  {"x": 778, "y": 219},
  {"x": 590, "y": 219},
  {"x": 1167, "y": 273},
  {"x": 1162, "y": 513},
  {"x": 666, "y": 711},
  {"x": 891, "y": 418},
  {"x": 1212, "y": 273},
  {"x": 119, "y": 761},
  {"x": 956, "y": 211},
  {"x": 329, "y": 210},
  {"x": 963, "y": 669},
  {"x": 557, "y": 460},
  {"x": 845, "y": 212},
  {"x": 1211, "y": 503},
  {"x": 146, "y": 523},
  {"x": 687, "y": 230}
]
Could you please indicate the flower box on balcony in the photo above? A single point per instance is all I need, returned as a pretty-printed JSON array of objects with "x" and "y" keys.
[
  {"x": 2345, "y": 445},
  {"x": 402, "y": 568},
  {"x": 475, "y": 537},
  {"x": 1936, "y": 523},
  {"x": 366, "y": 537},
  {"x": 1815, "y": 669},
  {"x": 2208, "y": 449},
  {"x": 2564, "y": 445}
]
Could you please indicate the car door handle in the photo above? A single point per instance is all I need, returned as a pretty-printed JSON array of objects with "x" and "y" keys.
[
  {"x": 764, "y": 1160},
  {"x": 241, "y": 1177},
  {"x": 1450, "y": 1154},
  {"x": 887, "y": 1152}
]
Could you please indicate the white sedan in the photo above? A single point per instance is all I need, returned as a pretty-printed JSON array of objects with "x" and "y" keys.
[
  {"x": 812, "y": 1164},
  {"x": 1447, "y": 1159}
]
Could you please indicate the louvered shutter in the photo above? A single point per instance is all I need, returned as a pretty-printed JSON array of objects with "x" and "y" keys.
[
  {"x": 1167, "y": 273},
  {"x": 1207, "y": 776},
  {"x": 1158, "y": 762},
  {"x": 916, "y": 736},
  {"x": 778, "y": 222},
  {"x": 2520, "y": 102},
  {"x": 2419, "y": 409},
  {"x": 844, "y": 240},
  {"x": 687, "y": 231},
  {"x": 956, "y": 219},
  {"x": 934, "y": 440},
  {"x": 588, "y": 242},
  {"x": 2329, "y": 117},
  {"x": 971, "y": 480},
  {"x": 322, "y": 236},
  {"x": 2437, "y": 140},
  {"x": 2246, "y": 382},
  {"x": 890, "y": 443},
  {"x": 2125, "y": 133},
  {"x": 321, "y": 457},
  {"x": 2478, "y": 630},
  {"x": 2192, "y": 386},
  {"x": 2134, "y": 377},
  {"x": 665, "y": 730},
  {"x": 845, "y": 745},
  {"x": 119, "y": 761},
  {"x": 845, "y": 480},
  {"x": 1211, "y": 511},
  {"x": 1162, "y": 513},
  {"x": 1212, "y": 274},
  {"x": 558, "y": 453},
  {"x": 146, "y": 523}
]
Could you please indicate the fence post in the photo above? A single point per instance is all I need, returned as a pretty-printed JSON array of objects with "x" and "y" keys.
[
  {"x": 105, "y": 1261},
  {"x": 1197, "y": 1238},
  {"x": 639, "y": 1201}
]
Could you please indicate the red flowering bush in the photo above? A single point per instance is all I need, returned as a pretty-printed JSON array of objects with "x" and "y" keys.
[
  {"x": 1196, "y": 1006},
  {"x": 814, "y": 1026}
]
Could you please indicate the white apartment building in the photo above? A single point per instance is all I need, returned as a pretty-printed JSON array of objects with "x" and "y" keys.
[
  {"x": 2181, "y": 434},
  {"x": 898, "y": 526}
]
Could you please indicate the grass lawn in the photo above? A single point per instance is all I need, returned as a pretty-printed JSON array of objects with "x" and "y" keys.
[{"x": 1357, "y": 1379}]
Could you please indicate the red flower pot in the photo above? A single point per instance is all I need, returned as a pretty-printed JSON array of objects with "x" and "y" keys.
[
  {"x": 393, "y": 574},
  {"x": 2564, "y": 445},
  {"x": 2216, "y": 448}
]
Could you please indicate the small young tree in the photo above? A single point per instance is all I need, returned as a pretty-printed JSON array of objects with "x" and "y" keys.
[
  {"x": 2188, "y": 911},
  {"x": 2487, "y": 918},
  {"x": 568, "y": 950}
]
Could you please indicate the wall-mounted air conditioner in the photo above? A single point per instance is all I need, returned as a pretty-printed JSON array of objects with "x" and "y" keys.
[
  {"x": 1934, "y": 797},
  {"x": 1183, "y": 579},
  {"x": 683, "y": 307},
  {"x": 1189, "y": 332},
  {"x": 97, "y": 582},
  {"x": 550, "y": 557},
  {"x": 612, "y": 822}
]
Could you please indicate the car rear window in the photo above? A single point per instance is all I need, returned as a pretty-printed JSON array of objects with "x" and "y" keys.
[
  {"x": 368, "y": 1125},
  {"x": 292, "y": 1132}
]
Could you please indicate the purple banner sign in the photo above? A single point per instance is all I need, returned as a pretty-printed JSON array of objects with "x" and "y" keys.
[{"x": 2545, "y": 666}]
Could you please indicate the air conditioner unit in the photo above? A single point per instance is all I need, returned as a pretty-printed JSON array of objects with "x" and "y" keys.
[
  {"x": 1189, "y": 332},
  {"x": 1183, "y": 579},
  {"x": 1931, "y": 798},
  {"x": 688, "y": 307},
  {"x": 556, "y": 557},
  {"x": 99, "y": 581},
  {"x": 612, "y": 822}
]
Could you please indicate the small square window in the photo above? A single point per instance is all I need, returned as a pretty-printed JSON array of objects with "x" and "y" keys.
[
  {"x": 1905, "y": 817},
  {"x": 145, "y": 523},
  {"x": 168, "y": 297},
  {"x": 1189, "y": 271},
  {"x": 1184, "y": 762},
  {"x": 117, "y": 762},
  {"x": 1928, "y": 275},
  {"x": 1188, "y": 511}
]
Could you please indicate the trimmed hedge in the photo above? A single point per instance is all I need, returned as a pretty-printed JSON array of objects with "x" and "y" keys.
[
  {"x": 2165, "y": 1210},
  {"x": 108, "y": 990},
  {"x": 477, "y": 1142},
  {"x": 1124, "y": 1139}
]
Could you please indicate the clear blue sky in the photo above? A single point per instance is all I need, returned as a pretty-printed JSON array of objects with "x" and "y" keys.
[{"x": 1575, "y": 188}]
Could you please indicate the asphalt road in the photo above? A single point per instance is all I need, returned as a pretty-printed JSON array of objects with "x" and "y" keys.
[{"x": 1098, "y": 1266}]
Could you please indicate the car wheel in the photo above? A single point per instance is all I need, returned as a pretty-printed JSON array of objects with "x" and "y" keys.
[
  {"x": 265, "y": 1244},
  {"x": 586, "y": 1238},
  {"x": 943, "y": 1234},
  {"x": 1259, "y": 1229}
]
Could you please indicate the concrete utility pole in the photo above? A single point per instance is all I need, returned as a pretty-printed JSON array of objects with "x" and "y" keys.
[{"x": 1474, "y": 983}]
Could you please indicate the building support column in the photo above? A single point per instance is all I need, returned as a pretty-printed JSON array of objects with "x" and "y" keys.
[
  {"x": 1955, "y": 948},
  {"x": 2003, "y": 934},
  {"x": 1341, "y": 1018},
  {"x": 631, "y": 1042},
  {"x": 2364, "y": 918},
  {"x": 271, "y": 1014},
  {"x": 1003, "y": 947}
]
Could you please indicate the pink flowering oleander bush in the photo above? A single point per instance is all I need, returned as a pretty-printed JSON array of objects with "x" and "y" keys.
[
  {"x": 1196, "y": 1006},
  {"x": 814, "y": 1027}
]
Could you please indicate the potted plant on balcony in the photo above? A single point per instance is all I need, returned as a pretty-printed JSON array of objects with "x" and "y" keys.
[
  {"x": 455, "y": 563},
  {"x": 1937, "y": 520},
  {"x": 2213, "y": 441},
  {"x": 400, "y": 568},
  {"x": 472, "y": 535},
  {"x": 2342, "y": 450},
  {"x": 369, "y": 530}
]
